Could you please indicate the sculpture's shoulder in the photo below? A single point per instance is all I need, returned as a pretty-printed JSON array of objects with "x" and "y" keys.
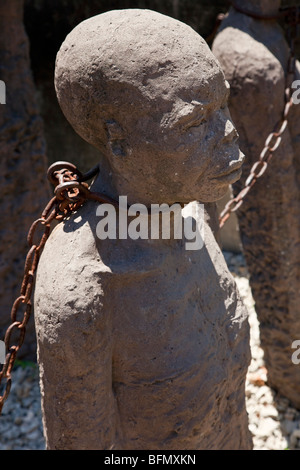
[
  {"x": 75, "y": 256},
  {"x": 70, "y": 271}
]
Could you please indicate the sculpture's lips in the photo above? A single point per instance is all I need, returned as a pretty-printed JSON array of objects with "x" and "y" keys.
[
  {"x": 231, "y": 175},
  {"x": 233, "y": 172}
]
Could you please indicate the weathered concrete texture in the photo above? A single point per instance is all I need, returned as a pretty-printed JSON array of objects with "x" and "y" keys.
[
  {"x": 23, "y": 191},
  {"x": 143, "y": 344},
  {"x": 254, "y": 57}
]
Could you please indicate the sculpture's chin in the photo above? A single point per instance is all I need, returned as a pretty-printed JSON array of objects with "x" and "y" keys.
[
  {"x": 215, "y": 194},
  {"x": 230, "y": 178}
]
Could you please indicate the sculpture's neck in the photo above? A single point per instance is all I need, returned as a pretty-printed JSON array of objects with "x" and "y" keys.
[
  {"x": 164, "y": 225},
  {"x": 161, "y": 222},
  {"x": 103, "y": 183},
  {"x": 263, "y": 7},
  {"x": 150, "y": 223}
]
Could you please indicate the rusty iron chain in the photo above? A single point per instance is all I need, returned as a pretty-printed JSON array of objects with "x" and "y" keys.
[
  {"x": 70, "y": 193},
  {"x": 273, "y": 141}
]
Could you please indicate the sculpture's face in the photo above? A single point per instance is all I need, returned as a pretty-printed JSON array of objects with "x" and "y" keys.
[{"x": 191, "y": 152}]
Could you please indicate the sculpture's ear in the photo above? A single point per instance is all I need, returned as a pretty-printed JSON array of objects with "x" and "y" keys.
[{"x": 116, "y": 138}]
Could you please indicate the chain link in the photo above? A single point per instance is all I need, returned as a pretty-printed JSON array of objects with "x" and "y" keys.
[{"x": 274, "y": 139}]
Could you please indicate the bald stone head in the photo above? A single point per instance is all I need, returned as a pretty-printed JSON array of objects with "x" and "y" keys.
[{"x": 146, "y": 90}]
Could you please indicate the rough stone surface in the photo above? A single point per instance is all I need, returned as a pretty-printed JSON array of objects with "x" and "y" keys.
[
  {"x": 143, "y": 344},
  {"x": 23, "y": 190},
  {"x": 254, "y": 57}
]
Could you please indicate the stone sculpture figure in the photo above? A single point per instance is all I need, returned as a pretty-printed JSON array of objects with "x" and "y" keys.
[
  {"x": 141, "y": 343},
  {"x": 254, "y": 56}
]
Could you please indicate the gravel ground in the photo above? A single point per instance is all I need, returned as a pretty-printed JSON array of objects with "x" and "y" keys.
[
  {"x": 21, "y": 420},
  {"x": 273, "y": 422}
]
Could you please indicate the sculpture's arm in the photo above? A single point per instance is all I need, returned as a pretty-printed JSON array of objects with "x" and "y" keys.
[{"x": 75, "y": 348}]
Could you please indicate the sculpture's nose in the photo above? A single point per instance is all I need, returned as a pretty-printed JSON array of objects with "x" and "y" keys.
[{"x": 226, "y": 127}]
